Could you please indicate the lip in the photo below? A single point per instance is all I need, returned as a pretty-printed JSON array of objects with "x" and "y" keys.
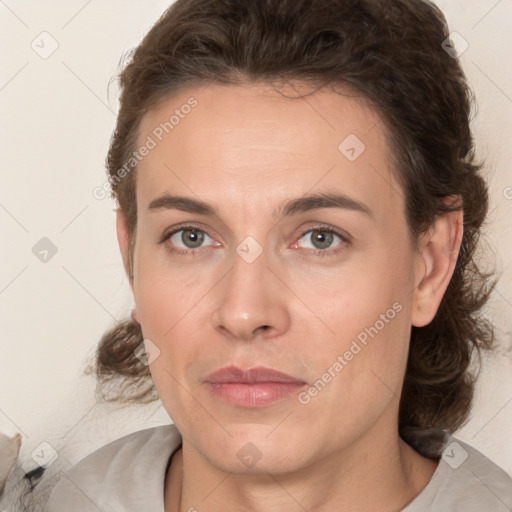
[{"x": 252, "y": 387}]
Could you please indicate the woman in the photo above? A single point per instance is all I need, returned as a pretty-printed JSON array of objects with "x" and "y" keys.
[{"x": 299, "y": 206}]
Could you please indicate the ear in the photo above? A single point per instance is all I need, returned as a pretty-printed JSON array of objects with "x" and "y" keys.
[
  {"x": 437, "y": 258},
  {"x": 123, "y": 241}
]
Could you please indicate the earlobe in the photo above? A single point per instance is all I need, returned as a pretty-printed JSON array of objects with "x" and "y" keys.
[
  {"x": 123, "y": 241},
  {"x": 438, "y": 253}
]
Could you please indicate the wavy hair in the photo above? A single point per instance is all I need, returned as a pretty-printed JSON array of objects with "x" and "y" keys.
[{"x": 391, "y": 53}]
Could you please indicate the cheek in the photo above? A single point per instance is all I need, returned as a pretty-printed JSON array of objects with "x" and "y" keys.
[
  {"x": 359, "y": 374},
  {"x": 168, "y": 300},
  {"x": 368, "y": 315},
  {"x": 164, "y": 314},
  {"x": 164, "y": 292}
]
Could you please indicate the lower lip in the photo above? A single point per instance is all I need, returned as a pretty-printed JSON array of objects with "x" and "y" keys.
[{"x": 257, "y": 394}]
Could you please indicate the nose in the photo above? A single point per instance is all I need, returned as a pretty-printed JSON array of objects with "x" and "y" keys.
[{"x": 251, "y": 302}]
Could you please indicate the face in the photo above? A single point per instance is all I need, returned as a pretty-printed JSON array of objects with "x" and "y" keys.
[{"x": 277, "y": 293}]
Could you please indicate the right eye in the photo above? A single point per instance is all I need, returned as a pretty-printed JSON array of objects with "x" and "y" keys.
[{"x": 186, "y": 239}]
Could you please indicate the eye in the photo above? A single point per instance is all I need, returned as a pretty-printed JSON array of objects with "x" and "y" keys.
[
  {"x": 321, "y": 239},
  {"x": 186, "y": 239}
]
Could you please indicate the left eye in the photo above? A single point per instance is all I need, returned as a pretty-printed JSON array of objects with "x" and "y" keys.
[{"x": 320, "y": 238}]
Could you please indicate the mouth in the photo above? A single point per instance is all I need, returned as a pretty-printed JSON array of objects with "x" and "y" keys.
[{"x": 252, "y": 387}]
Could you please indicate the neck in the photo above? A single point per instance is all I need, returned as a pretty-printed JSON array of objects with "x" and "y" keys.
[{"x": 371, "y": 474}]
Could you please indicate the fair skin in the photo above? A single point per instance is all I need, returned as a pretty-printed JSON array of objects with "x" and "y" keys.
[{"x": 245, "y": 150}]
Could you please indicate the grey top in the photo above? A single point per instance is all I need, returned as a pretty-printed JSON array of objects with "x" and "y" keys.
[{"x": 128, "y": 475}]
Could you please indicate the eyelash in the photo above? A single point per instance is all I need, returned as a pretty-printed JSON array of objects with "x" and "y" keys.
[{"x": 316, "y": 252}]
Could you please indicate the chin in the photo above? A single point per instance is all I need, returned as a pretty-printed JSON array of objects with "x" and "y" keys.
[{"x": 255, "y": 449}]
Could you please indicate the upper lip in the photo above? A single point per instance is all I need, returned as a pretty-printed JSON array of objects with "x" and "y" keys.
[{"x": 232, "y": 374}]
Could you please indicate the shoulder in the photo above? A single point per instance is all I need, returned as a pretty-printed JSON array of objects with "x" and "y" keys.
[
  {"x": 118, "y": 476},
  {"x": 465, "y": 481},
  {"x": 480, "y": 483}
]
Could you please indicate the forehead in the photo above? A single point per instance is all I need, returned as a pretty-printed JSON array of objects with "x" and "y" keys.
[{"x": 251, "y": 144}]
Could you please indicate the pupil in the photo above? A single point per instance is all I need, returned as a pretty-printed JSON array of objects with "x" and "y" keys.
[
  {"x": 323, "y": 238},
  {"x": 194, "y": 236}
]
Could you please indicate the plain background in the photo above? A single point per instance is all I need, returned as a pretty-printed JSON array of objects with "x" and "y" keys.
[{"x": 57, "y": 115}]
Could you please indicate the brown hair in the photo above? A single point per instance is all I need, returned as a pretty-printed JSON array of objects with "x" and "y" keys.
[{"x": 391, "y": 52}]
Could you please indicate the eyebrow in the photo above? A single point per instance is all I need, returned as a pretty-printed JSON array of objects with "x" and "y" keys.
[{"x": 290, "y": 207}]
